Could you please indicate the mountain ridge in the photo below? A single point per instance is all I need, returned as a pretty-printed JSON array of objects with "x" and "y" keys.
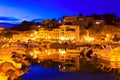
[{"x": 7, "y": 24}]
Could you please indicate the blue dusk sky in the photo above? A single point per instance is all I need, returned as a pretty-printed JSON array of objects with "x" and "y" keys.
[{"x": 19, "y": 10}]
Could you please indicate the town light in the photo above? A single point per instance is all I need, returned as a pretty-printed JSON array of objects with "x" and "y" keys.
[
  {"x": 107, "y": 37},
  {"x": 36, "y": 52},
  {"x": 31, "y": 35},
  {"x": 62, "y": 38},
  {"x": 31, "y": 53},
  {"x": 67, "y": 38},
  {"x": 39, "y": 26},
  {"x": 35, "y": 56},
  {"x": 89, "y": 39},
  {"x": 48, "y": 53},
  {"x": 62, "y": 51},
  {"x": 72, "y": 38},
  {"x": 35, "y": 32}
]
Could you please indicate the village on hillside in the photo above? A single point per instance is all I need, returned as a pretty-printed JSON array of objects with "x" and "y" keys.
[{"x": 69, "y": 40}]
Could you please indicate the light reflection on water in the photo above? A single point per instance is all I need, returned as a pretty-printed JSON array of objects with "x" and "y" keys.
[
  {"x": 41, "y": 73},
  {"x": 72, "y": 63},
  {"x": 115, "y": 64},
  {"x": 72, "y": 66},
  {"x": 77, "y": 68},
  {"x": 65, "y": 64},
  {"x": 52, "y": 71}
]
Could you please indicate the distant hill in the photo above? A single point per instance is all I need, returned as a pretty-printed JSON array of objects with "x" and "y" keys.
[{"x": 7, "y": 25}]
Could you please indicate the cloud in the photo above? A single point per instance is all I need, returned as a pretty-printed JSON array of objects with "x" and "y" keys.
[{"x": 2, "y": 18}]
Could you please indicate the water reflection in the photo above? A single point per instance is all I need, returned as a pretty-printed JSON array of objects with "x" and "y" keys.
[
  {"x": 92, "y": 69},
  {"x": 63, "y": 61},
  {"x": 41, "y": 73}
]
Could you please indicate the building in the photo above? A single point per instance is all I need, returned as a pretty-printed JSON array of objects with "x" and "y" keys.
[
  {"x": 74, "y": 30},
  {"x": 70, "y": 19},
  {"x": 22, "y": 36},
  {"x": 46, "y": 21},
  {"x": 2, "y": 29},
  {"x": 60, "y": 55},
  {"x": 62, "y": 34}
]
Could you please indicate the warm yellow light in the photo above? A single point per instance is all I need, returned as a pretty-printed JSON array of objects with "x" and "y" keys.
[
  {"x": 49, "y": 37},
  {"x": 36, "y": 52},
  {"x": 3, "y": 77},
  {"x": 92, "y": 39},
  {"x": 31, "y": 35},
  {"x": 107, "y": 35},
  {"x": 72, "y": 38},
  {"x": 67, "y": 38},
  {"x": 39, "y": 26},
  {"x": 60, "y": 42},
  {"x": 62, "y": 51},
  {"x": 35, "y": 56},
  {"x": 62, "y": 38},
  {"x": 35, "y": 32},
  {"x": 48, "y": 53},
  {"x": 31, "y": 54},
  {"x": 32, "y": 38},
  {"x": 89, "y": 39}
]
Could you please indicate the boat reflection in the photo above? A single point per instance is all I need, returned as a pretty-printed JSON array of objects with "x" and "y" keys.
[
  {"x": 77, "y": 61},
  {"x": 65, "y": 59},
  {"x": 78, "y": 64}
]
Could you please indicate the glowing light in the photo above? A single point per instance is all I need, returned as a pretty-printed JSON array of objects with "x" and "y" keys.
[
  {"x": 59, "y": 66},
  {"x": 36, "y": 52},
  {"x": 39, "y": 26},
  {"x": 35, "y": 56},
  {"x": 48, "y": 53},
  {"x": 35, "y": 32},
  {"x": 60, "y": 42},
  {"x": 72, "y": 38},
  {"x": 32, "y": 38},
  {"x": 62, "y": 51},
  {"x": 67, "y": 38},
  {"x": 89, "y": 39},
  {"x": 31, "y": 35},
  {"x": 97, "y": 22},
  {"x": 49, "y": 37},
  {"x": 60, "y": 21},
  {"x": 62, "y": 38},
  {"x": 31, "y": 53},
  {"x": 3, "y": 77},
  {"x": 4, "y": 38},
  {"x": 107, "y": 35}
]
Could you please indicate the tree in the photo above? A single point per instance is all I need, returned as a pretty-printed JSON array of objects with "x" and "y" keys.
[
  {"x": 64, "y": 16},
  {"x": 110, "y": 19},
  {"x": 38, "y": 23},
  {"x": 54, "y": 23},
  {"x": 96, "y": 17},
  {"x": 24, "y": 26},
  {"x": 80, "y": 15}
]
